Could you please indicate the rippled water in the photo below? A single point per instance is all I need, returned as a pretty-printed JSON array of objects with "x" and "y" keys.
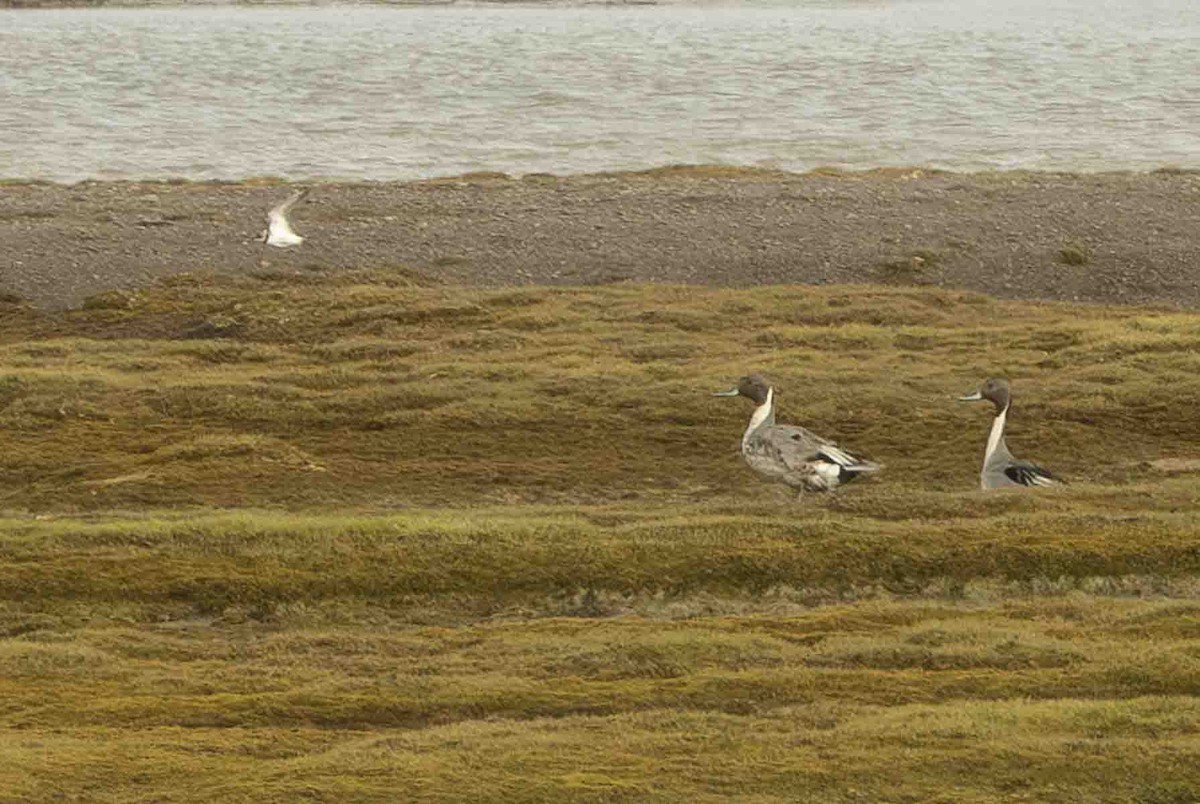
[{"x": 400, "y": 92}]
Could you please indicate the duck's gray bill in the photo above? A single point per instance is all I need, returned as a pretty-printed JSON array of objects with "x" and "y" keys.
[
  {"x": 730, "y": 392},
  {"x": 975, "y": 397}
]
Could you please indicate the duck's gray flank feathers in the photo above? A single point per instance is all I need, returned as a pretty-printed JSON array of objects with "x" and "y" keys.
[{"x": 789, "y": 454}]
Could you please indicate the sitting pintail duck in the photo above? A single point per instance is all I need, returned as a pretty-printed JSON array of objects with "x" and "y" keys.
[
  {"x": 791, "y": 455},
  {"x": 1000, "y": 468}
]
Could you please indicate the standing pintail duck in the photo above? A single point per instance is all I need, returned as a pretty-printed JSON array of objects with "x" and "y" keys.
[
  {"x": 1000, "y": 468},
  {"x": 791, "y": 455}
]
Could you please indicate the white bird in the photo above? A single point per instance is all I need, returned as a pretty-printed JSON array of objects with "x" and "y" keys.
[{"x": 279, "y": 232}]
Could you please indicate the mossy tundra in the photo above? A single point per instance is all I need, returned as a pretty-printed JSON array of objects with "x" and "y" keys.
[{"x": 365, "y": 539}]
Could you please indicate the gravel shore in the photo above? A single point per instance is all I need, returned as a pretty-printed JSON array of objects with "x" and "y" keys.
[{"x": 1114, "y": 238}]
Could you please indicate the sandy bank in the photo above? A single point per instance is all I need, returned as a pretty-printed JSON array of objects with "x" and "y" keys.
[{"x": 1118, "y": 237}]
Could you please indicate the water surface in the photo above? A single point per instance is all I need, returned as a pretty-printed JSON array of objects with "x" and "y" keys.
[{"x": 401, "y": 92}]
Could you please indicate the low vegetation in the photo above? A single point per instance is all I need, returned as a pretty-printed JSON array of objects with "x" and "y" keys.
[
  {"x": 1073, "y": 254},
  {"x": 363, "y": 538}
]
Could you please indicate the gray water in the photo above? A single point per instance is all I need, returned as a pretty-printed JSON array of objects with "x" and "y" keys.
[{"x": 374, "y": 92}]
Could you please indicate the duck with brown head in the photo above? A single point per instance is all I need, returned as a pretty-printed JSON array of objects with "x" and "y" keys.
[
  {"x": 1000, "y": 468},
  {"x": 788, "y": 454}
]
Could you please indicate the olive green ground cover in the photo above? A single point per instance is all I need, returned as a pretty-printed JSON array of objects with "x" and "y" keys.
[{"x": 288, "y": 538}]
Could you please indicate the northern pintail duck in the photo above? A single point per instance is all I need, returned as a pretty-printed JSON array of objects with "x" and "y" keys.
[
  {"x": 791, "y": 455},
  {"x": 279, "y": 232},
  {"x": 1000, "y": 468}
]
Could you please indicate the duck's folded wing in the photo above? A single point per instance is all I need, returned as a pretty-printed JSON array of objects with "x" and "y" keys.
[
  {"x": 792, "y": 447},
  {"x": 1029, "y": 474},
  {"x": 796, "y": 447}
]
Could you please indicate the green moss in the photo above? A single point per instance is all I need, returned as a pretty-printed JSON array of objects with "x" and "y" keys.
[{"x": 1073, "y": 254}]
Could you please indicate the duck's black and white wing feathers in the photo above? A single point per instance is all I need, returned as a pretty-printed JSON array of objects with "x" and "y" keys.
[{"x": 1025, "y": 473}]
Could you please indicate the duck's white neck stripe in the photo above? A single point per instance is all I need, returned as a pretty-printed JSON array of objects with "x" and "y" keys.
[
  {"x": 764, "y": 414},
  {"x": 996, "y": 436}
]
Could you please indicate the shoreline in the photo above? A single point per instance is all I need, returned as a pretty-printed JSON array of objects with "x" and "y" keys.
[
  {"x": 1117, "y": 237},
  {"x": 139, "y": 4},
  {"x": 79, "y": 4},
  {"x": 671, "y": 170}
]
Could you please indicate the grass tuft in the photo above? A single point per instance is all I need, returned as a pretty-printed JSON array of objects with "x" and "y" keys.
[{"x": 1074, "y": 254}]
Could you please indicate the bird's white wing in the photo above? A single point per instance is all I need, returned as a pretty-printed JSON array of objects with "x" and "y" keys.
[{"x": 277, "y": 217}]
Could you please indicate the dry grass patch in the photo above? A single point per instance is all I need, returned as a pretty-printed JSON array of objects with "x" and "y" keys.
[{"x": 351, "y": 538}]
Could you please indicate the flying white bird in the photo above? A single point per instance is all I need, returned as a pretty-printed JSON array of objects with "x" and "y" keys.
[{"x": 279, "y": 232}]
